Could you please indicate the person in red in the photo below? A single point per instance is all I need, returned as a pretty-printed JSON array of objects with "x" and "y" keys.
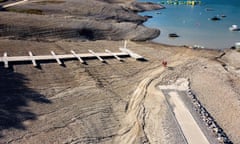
[{"x": 164, "y": 63}]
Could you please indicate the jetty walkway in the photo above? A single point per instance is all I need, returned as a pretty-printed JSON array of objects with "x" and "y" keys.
[
  {"x": 14, "y": 3},
  {"x": 33, "y": 58}
]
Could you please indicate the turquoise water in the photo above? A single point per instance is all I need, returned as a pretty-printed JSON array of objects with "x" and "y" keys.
[{"x": 193, "y": 26}]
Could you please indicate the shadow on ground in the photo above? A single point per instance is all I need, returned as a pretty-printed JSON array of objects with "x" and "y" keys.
[{"x": 14, "y": 99}]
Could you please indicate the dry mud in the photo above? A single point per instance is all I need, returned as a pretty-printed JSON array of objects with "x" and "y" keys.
[
  {"x": 112, "y": 102},
  {"x": 115, "y": 102}
]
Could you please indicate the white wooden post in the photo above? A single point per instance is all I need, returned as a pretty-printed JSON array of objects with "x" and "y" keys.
[
  {"x": 5, "y": 60},
  {"x": 93, "y": 53},
  {"x": 57, "y": 59},
  {"x": 78, "y": 57},
  {"x": 118, "y": 58},
  {"x": 32, "y": 58},
  {"x": 131, "y": 53},
  {"x": 125, "y": 44}
]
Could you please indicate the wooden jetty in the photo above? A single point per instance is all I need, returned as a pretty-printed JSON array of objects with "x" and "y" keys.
[
  {"x": 131, "y": 53},
  {"x": 14, "y": 4},
  {"x": 116, "y": 56},
  {"x": 5, "y": 59}
]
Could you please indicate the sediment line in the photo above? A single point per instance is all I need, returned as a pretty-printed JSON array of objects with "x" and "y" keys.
[{"x": 136, "y": 113}]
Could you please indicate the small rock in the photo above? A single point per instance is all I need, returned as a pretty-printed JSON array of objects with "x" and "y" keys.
[
  {"x": 173, "y": 35},
  {"x": 215, "y": 18}
]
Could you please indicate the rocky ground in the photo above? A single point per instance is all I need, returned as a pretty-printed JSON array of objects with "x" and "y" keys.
[
  {"x": 93, "y": 20},
  {"x": 113, "y": 102}
]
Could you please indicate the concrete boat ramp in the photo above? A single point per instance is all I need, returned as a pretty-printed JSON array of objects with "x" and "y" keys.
[
  {"x": 189, "y": 127},
  {"x": 124, "y": 52}
]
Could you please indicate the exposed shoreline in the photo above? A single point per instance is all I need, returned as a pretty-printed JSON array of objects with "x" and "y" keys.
[
  {"x": 112, "y": 102},
  {"x": 112, "y": 21},
  {"x": 194, "y": 28}
]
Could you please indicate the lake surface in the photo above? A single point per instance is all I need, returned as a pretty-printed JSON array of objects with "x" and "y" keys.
[{"x": 193, "y": 24}]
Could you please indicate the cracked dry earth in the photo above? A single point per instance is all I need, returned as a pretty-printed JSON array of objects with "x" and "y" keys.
[{"x": 115, "y": 102}]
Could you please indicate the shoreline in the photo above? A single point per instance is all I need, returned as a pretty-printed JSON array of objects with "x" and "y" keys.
[
  {"x": 186, "y": 46},
  {"x": 194, "y": 31}
]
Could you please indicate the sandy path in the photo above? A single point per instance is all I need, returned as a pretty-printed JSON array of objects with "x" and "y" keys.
[
  {"x": 143, "y": 114},
  {"x": 134, "y": 122}
]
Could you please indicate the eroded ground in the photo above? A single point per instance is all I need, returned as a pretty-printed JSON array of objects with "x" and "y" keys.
[
  {"x": 113, "y": 102},
  {"x": 98, "y": 103}
]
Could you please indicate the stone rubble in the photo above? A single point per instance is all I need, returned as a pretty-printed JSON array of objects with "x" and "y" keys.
[{"x": 208, "y": 119}]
